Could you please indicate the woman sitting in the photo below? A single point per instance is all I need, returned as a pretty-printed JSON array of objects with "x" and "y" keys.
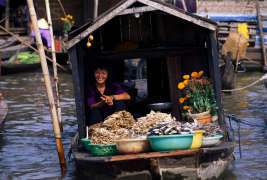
[{"x": 104, "y": 98}]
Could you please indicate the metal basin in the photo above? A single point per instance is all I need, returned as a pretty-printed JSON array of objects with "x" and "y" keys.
[{"x": 162, "y": 106}]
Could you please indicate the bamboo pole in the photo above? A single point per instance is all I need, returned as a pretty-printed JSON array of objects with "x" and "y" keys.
[
  {"x": 62, "y": 8},
  {"x": 7, "y": 13},
  {"x": 47, "y": 6},
  {"x": 46, "y": 75},
  {"x": 28, "y": 45}
]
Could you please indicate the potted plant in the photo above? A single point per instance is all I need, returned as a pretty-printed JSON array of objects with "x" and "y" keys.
[{"x": 197, "y": 99}]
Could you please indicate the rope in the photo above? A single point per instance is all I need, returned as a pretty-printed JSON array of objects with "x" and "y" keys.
[
  {"x": 62, "y": 8},
  {"x": 245, "y": 87}
]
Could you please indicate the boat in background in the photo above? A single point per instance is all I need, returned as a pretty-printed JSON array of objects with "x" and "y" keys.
[{"x": 3, "y": 109}]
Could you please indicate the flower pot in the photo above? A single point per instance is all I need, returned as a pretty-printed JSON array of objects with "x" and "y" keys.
[{"x": 202, "y": 118}]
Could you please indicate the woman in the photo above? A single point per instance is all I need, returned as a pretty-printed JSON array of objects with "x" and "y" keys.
[{"x": 104, "y": 98}]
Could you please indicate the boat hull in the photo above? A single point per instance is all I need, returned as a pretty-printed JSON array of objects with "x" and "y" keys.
[{"x": 205, "y": 163}]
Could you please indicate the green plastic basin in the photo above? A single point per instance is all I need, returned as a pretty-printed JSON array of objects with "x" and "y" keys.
[
  {"x": 86, "y": 143},
  {"x": 170, "y": 142},
  {"x": 103, "y": 149}
]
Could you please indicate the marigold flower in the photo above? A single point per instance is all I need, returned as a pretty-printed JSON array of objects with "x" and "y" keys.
[
  {"x": 186, "y": 108},
  {"x": 181, "y": 86},
  {"x": 186, "y": 82},
  {"x": 200, "y": 73},
  {"x": 181, "y": 100},
  {"x": 186, "y": 76},
  {"x": 194, "y": 75}
]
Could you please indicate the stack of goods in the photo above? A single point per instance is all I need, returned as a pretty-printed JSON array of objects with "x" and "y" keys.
[
  {"x": 115, "y": 126},
  {"x": 143, "y": 124},
  {"x": 212, "y": 130}
]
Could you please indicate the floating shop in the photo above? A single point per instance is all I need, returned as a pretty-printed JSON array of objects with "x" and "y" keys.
[{"x": 179, "y": 52}]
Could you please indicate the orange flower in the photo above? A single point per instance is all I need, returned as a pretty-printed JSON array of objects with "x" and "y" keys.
[
  {"x": 181, "y": 86},
  {"x": 186, "y": 76},
  {"x": 186, "y": 82},
  {"x": 194, "y": 75},
  {"x": 200, "y": 73},
  {"x": 186, "y": 108},
  {"x": 181, "y": 100}
]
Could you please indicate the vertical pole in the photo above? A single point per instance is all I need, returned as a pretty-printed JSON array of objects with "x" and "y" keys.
[
  {"x": 95, "y": 9},
  {"x": 46, "y": 75},
  {"x": 7, "y": 13},
  {"x": 261, "y": 36},
  {"x": 48, "y": 12}
]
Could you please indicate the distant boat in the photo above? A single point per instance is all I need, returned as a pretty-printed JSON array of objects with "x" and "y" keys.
[{"x": 3, "y": 109}]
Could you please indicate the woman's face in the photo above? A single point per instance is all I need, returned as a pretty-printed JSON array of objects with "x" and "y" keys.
[{"x": 101, "y": 76}]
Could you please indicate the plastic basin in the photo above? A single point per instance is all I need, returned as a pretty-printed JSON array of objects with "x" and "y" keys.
[
  {"x": 170, "y": 142},
  {"x": 103, "y": 149},
  {"x": 86, "y": 143},
  {"x": 197, "y": 139},
  {"x": 211, "y": 141}
]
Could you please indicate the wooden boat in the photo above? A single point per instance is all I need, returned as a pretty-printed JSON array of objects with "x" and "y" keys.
[
  {"x": 3, "y": 109},
  {"x": 172, "y": 42},
  {"x": 8, "y": 68}
]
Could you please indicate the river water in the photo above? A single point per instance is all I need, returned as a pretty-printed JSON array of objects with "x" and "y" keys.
[{"x": 27, "y": 146}]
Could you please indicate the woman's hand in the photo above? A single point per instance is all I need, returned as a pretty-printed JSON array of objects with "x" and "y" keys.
[{"x": 108, "y": 100}]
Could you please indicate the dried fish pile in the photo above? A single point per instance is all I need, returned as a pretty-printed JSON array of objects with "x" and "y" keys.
[
  {"x": 211, "y": 130},
  {"x": 105, "y": 136},
  {"x": 172, "y": 129},
  {"x": 152, "y": 119},
  {"x": 120, "y": 119},
  {"x": 102, "y": 136}
]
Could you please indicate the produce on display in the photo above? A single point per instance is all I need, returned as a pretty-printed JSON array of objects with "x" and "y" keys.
[{"x": 143, "y": 124}]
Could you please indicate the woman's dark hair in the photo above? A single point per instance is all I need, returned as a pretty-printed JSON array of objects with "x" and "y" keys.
[{"x": 102, "y": 67}]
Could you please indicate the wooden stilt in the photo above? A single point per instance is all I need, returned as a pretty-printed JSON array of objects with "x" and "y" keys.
[
  {"x": 54, "y": 62},
  {"x": 48, "y": 85},
  {"x": 261, "y": 36}
]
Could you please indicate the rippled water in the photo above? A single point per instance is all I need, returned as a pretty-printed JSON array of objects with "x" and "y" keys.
[{"x": 27, "y": 146}]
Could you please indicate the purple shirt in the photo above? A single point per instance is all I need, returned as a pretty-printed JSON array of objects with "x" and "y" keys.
[
  {"x": 45, "y": 34},
  {"x": 94, "y": 96}
]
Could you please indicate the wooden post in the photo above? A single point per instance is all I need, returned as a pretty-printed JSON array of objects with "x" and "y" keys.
[
  {"x": 95, "y": 9},
  {"x": 261, "y": 36},
  {"x": 7, "y": 13},
  {"x": 51, "y": 100},
  {"x": 54, "y": 62}
]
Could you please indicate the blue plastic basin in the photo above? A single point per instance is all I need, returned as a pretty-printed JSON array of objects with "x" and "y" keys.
[{"x": 171, "y": 142}]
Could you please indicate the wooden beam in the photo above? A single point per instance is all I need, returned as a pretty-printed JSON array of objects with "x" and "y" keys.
[
  {"x": 137, "y": 10},
  {"x": 264, "y": 58},
  {"x": 99, "y": 22},
  {"x": 80, "y": 110},
  {"x": 215, "y": 73},
  {"x": 95, "y": 9},
  {"x": 178, "y": 14}
]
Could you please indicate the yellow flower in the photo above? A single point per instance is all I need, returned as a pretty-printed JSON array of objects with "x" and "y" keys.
[
  {"x": 186, "y": 82},
  {"x": 186, "y": 108},
  {"x": 200, "y": 73},
  {"x": 88, "y": 44},
  {"x": 181, "y": 100},
  {"x": 181, "y": 86},
  {"x": 194, "y": 75},
  {"x": 91, "y": 37},
  {"x": 63, "y": 19},
  {"x": 186, "y": 76}
]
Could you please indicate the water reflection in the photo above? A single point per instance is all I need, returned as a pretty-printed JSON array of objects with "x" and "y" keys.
[{"x": 27, "y": 146}]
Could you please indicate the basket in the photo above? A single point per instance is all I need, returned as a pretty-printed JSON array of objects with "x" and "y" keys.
[{"x": 103, "y": 149}]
